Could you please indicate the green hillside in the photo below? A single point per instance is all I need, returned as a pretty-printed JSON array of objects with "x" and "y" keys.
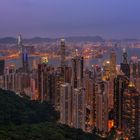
[{"x": 22, "y": 119}]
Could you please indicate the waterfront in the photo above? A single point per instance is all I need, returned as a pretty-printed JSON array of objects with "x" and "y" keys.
[{"x": 88, "y": 62}]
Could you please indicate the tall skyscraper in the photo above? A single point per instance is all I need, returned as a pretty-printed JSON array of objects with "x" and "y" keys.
[
  {"x": 120, "y": 84},
  {"x": 2, "y": 66},
  {"x": 124, "y": 65},
  {"x": 77, "y": 71},
  {"x": 24, "y": 55},
  {"x": 65, "y": 104},
  {"x": 62, "y": 52},
  {"x": 78, "y": 105},
  {"x": 89, "y": 84},
  {"x": 101, "y": 122},
  {"x": 45, "y": 81},
  {"x": 112, "y": 63},
  {"x": 131, "y": 112}
]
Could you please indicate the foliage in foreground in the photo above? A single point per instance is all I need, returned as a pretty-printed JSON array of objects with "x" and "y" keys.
[{"x": 22, "y": 119}]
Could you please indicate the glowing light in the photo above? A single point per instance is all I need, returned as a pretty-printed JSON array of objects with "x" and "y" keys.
[
  {"x": 110, "y": 124},
  {"x": 44, "y": 60},
  {"x": 108, "y": 62},
  {"x": 131, "y": 84}
]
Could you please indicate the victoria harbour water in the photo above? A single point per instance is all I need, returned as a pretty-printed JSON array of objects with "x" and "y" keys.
[{"x": 87, "y": 62}]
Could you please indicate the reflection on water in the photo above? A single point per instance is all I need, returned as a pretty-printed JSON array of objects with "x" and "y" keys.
[{"x": 88, "y": 62}]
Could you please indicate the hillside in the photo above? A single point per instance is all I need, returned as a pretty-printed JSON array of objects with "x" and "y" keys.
[{"x": 22, "y": 119}]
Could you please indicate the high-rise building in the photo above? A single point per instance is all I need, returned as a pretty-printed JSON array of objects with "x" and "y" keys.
[
  {"x": 89, "y": 84},
  {"x": 77, "y": 71},
  {"x": 44, "y": 80},
  {"x": 62, "y": 52},
  {"x": 131, "y": 112},
  {"x": 124, "y": 65},
  {"x": 65, "y": 104},
  {"x": 101, "y": 122},
  {"x": 2, "y": 66},
  {"x": 120, "y": 84},
  {"x": 78, "y": 110},
  {"x": 24, "y": 55},
  {"x": 112, "y": 63}
]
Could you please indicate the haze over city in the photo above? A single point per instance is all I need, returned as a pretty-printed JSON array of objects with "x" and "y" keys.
[{"x": 57, "y": 18}]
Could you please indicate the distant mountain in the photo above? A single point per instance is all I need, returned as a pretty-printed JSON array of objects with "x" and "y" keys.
[
  {"x": 85, "y": 38},
  {"x": 11, "y": 40}
]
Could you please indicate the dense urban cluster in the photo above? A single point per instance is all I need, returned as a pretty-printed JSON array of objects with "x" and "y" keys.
[{"x": 98, "y": 99}]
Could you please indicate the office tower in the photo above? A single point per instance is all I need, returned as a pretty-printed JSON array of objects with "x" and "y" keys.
[
  {"x": 2, "y": 65},
  {"x": 89, "y": 84},
  {"x": 44, "y": 71},
  {"x": 67, "y": 74},
  {"x": 62, "y": 52},
  {"x": 106, "y": 70},
  {"x": 9, "y": 78},
  {"x": 51, "y": 87},
  {"x": 134, "y": 67},
  {"x": 139, "y": 68},
  {"x": 65, "y": 104},
  {"x": 24, "y": 55},
  {"x": 58, "y": 82},
  {"x": 101, "y": 122},
  {"x": 131, "y": 112},
  {"x": 120, "y": 84},
  {"x": 112, "y": 63},
  {"x": 111, "y": 92},
  {"x": 78, "y": 105},
  {"x": 77, "y": 71},
  {"x": 124, "y": 65}
]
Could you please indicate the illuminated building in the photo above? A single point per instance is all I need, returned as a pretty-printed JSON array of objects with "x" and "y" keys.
[
  {"x": 124, "y": 65},
  {"x": 24, "y": 55},
  {"x": 77, "y": 71},
  {"x": 78, "y": 92},
  {"x": 62, "y": 52},
  {"x": 2, "y": 66},
  {"x": 131, "y": 112},
  {"x": 120, "y": 84},
  {"x": 112, "y": 63},
  {"x": 89, "y": 84},
  {"x": 78, "y": 105},
  {"x": 106, "y": 70},
  {"x": 111, "y": 92},
  {"x": 101, "y": 122},
  {"x": 44, "y": 86},
  {"x": 67, "y": 74},
  {"x": 65, "y": 104},
  {"x": 58, "y": 82}
]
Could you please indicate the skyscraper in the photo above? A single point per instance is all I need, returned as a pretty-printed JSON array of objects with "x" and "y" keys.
[
  {"x": 120, "y": 84},
  {"x": 77, "y": 71},
  {"x": 112, "y": 63},
  {"x": 78, "y": 104},
  {"x": 62, "y": 52},
  {"x": 101, "y": 122},
  {"x": 65, "y": 104},
  {"x": 45, "y": 82},
  {"x": 2, "y": 65},
  {"x": 131, "y": 112},
  {"x": 124, "y": 65},
  {"x": 24, "y": 55}
]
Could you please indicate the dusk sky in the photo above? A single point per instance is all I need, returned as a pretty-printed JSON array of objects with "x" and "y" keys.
[{"x": 56, "y": 18}]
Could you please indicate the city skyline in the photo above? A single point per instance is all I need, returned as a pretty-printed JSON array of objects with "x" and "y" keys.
[{"x": 51, "y": 18}]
